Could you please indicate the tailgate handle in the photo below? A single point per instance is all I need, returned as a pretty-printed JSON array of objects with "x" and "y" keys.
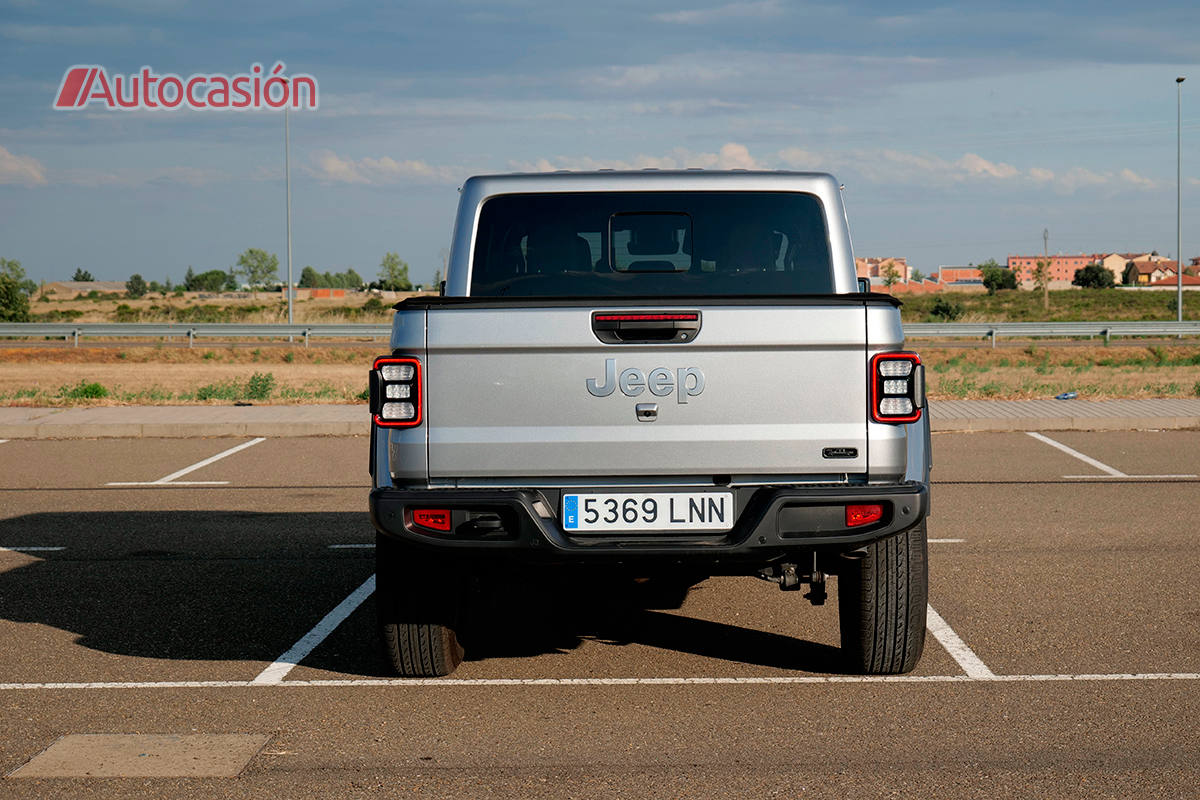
[{"x": 643, "y": 327}]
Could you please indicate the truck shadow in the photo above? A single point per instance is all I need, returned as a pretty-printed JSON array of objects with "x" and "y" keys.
[
  {"x": 244, "y": 586},
  {"x": 557, "y": 617}
]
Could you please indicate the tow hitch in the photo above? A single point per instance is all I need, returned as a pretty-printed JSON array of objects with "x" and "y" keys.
[{"x": 791, "y": 577}]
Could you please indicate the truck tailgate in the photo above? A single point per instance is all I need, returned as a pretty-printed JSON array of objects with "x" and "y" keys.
[{"x": 768, "y": 390}]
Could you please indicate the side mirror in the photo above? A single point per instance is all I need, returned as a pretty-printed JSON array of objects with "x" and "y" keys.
[{"x": 864, "y": 285}]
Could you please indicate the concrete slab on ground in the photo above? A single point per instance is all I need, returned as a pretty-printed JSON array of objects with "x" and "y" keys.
[{"x": 103, "y": 422}]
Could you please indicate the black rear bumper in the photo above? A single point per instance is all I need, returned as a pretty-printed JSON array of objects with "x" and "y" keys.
[{"x": 523, "y": 524}]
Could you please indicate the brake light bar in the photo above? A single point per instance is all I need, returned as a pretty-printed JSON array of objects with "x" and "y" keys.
[
  {"x": 647, "y": 317},
  {"x": 396, "y": 392},
  {"x": 897, "y": 387}
]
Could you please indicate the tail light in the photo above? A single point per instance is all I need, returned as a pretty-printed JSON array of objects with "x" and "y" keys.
[
  {"x": 434, "y": 519},
  {"x": 897, "y": 387},
  {"x": 396, "y": 392},
  {"x": 858, "y": 515}
]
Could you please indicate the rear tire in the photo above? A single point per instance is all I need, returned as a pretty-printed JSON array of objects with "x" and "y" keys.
[
  {"x": 882, "y": 595},
  {"x": 419, "y": 605}
]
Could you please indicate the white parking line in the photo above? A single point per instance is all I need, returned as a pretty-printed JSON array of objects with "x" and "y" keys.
[
  {"x": 946, "y": 541},
  {"x": 955, "y": 646},
  {"x": 277, "y": 671},
  {"x": 1111, "y": 473},
  {"x": 36, "y": 549},
  {"x": 171, "y": 479},
  {"x": 748, "y": 681},
  {"x": 351, "y": 547},
  {"x": 1116, "y": 473}
]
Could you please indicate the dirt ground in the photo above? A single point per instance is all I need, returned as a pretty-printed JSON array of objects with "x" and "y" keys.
[
  {"x": 221, "y": 374},
  {"x": 171, "y": 375}
]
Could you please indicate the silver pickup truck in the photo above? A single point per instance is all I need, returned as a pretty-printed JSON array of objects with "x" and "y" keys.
[{"x": 663, "y": 376}]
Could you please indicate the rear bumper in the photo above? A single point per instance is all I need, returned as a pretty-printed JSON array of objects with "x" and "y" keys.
[{"x": 524, "y": 524}]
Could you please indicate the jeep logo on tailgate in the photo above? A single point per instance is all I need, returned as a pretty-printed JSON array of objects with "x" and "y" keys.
[{"x": 685, "y": 381}]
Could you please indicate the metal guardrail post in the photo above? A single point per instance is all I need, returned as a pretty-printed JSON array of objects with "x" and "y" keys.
[
  {"x": 1106, "y": 336},
  {"x": 191, "y": 337},
  {"x": 306, "y": 338},
  {"x": 77, "y": 337},
  {"x": 992, "y": 332}
]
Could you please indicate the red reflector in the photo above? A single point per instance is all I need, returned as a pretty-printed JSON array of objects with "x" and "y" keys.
[
  {"x": 647, "y": 317},
  {"x": 436, "y": 519},
  {"x": 863, "y": 515}
]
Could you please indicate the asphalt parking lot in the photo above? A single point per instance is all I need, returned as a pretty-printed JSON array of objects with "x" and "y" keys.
[{"x": 185, "y": 587}]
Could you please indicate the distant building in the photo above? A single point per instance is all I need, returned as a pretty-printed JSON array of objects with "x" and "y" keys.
[
  {"x": 1188, "y": 280},
  {"x": 949, "y": 274},
  {"x": 1145, "y": 273},
  {"x": 878, "y": 267},
  {"x": 1062, "y": 267}
]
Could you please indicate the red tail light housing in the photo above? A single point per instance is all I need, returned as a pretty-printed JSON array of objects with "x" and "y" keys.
[
  {"x": 395, "y": 390},
  {"x": 434, "y": 519},
  {"x": 859, "y": 515},
  {"x": 897, "y": 387}
]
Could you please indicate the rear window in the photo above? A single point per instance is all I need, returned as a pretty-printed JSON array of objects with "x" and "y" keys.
[{"x": 639, "y": 244}]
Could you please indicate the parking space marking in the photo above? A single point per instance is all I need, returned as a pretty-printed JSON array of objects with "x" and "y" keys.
[
  {"x": 1110, "y": 472},
  {"x": 955, "y": 646},
  {"x": 35, "y": 549},
  {"x": 946, "y": 541},
  {"x": 351, "y": 547},
  {"x": 278, "y": 670},
  {"x": 748, "y": 681},
  {"x": 1116, "y": 473},
  {"x": 172, "y": 478}
]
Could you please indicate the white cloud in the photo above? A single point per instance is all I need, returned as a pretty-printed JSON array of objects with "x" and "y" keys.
[
  {"x": 138, "y": 176},
  {"x": 25, "y": 170},
  {"x": 70, "y": 34},
  {"x": 764, "y": 9},
  {"x": 730, "y": 156},
  {"x": 329, "y": 166},
  {"x": 978, "y": 166}
]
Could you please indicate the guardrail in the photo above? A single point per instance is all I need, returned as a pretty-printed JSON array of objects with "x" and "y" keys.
[
  {"x": 913, "y": 330},
  {"x": 213, "y": 330},
  {"x": 1031, "y": 330}
]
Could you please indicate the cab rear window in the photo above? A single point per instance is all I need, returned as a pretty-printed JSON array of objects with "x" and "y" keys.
[{"x": 646, "y": 244}]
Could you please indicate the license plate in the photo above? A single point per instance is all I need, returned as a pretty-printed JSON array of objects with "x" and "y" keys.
[{"x": 663, "y": 511}]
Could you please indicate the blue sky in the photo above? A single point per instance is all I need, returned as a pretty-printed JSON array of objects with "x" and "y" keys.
[{"x": 959, "y": 131}]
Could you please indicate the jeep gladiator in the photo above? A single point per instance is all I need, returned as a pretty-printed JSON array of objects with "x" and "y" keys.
[{"x": 658, "y": 375}]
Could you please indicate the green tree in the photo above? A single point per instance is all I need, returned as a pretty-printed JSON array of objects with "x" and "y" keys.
[
  {"x": 213, "y": 280},
  {"x": 1094, "y": 276},
  {"x": 393, "y": 274},
  {"x": 1041, "y": 279},
  {"x": 997, "y": 277},
  {"x": 136, "y": 286},
  {"x": 13, "y": 269},
  {"x": 890, "y": 275},
  {"x": 915, "y": 275},
  {"x": 82, "y": 274},
  {"x": 14, "y": 303},
  {"x": 309, "y": 278},
  {"x": 353, "y": 279},
  {"x": 189, "y": 279},
  {"x": 258, "y": 267}
]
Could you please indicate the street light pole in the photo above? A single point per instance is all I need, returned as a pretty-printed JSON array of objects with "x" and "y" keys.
[
  {"x": 287, "y": 178},
  {"x": 1179, "y": 199}
]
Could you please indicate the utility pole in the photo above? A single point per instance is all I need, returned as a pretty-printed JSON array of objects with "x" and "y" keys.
[
  {"x": 1046, "y": 269},
  {"x": 287, "y": 178},
  {"x": 1178, "y": 199}
]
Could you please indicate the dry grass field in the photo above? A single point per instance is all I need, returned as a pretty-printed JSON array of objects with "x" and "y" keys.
[{"x": 118, "y": 373}]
